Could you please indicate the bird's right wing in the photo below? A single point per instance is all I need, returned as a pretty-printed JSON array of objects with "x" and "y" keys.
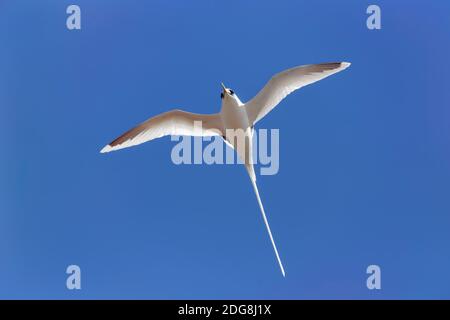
[
  {"x": 285, "y": 83},
  {"x": 175, "y": 122}
]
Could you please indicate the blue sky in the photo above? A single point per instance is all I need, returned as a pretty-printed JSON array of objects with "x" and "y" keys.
[{"x": 364, "y": 155}]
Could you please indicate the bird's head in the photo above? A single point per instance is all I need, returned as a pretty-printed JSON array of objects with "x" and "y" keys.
[{"x": 228, "y": 94}]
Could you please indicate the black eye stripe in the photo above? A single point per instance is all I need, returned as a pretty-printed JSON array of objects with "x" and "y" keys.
[
  {"x": 231, "y": 92},
  {"x": 221, "y": 95}
]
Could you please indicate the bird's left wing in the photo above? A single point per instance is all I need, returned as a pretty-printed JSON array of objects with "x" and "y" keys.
[
  {"x": 285, "y": 83},
  {"x": 175, "y": 122}
]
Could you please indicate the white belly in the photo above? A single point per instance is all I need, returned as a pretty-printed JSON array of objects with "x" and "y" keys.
[{"x": 238, "y": 132}]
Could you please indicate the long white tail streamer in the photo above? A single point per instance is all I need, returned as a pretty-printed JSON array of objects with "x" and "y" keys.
[{"x": 255, "y": 187}]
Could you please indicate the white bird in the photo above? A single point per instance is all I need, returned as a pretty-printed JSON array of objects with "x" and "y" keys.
[{"x": 234, "y": 116}]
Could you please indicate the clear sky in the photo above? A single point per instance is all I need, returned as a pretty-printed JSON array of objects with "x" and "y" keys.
[{"x": 364, "y": 155}]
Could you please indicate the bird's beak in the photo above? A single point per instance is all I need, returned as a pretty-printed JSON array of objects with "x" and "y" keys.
[{"x": 223, "y": 86}]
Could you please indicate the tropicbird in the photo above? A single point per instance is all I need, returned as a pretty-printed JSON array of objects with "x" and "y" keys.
[{"x": 234, "y": 115}]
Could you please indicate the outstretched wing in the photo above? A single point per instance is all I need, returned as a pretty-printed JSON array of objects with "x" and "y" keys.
[
  {"x": 175, "y": 122},
  {"x": 286, "y": 82}
]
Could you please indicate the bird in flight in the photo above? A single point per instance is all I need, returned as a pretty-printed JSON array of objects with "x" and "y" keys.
[{"x": 233, "y": 116}]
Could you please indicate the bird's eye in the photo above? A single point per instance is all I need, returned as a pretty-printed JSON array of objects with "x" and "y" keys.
[
  {"x": 221, "y": 95},
  {"x": 231, "y": 92}
]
